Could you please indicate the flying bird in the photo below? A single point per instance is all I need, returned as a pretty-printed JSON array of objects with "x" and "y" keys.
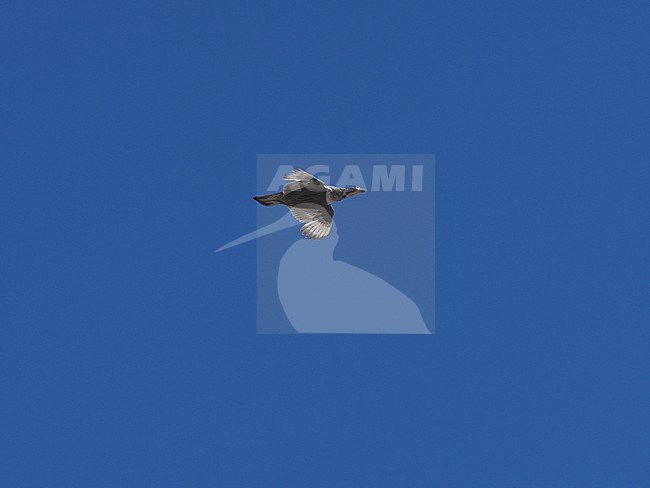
[{"x": 310, "y": 201}]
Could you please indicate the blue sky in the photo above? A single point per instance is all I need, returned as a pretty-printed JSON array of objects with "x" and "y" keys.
[{"x": 128, "y": 353}]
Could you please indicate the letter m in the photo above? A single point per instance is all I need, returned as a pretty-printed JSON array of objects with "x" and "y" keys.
[{"x": 382, "y": 180}]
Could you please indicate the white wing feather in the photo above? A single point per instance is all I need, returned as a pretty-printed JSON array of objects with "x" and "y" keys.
[
  {"x": 317, "y": 220},
  {"x": 302, "y": 176}
]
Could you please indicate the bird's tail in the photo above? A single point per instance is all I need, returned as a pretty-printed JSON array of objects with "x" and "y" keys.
[{"x": 268, "y": 200}]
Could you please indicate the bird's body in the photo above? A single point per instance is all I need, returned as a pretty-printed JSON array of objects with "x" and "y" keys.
[{"x": 309, "y": 200}]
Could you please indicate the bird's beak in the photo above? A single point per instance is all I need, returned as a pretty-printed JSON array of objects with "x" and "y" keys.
[{"x": 353, "y": 192}]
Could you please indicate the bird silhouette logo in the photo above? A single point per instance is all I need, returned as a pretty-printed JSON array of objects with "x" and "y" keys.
[
  {"x": 310, "y": 201},
  {"x": 368, "y": 303}
]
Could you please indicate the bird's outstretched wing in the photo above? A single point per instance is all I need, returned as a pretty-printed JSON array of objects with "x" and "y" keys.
[
  {"x": 317, "y": 219},
  {"x": 303, "y": 177}
]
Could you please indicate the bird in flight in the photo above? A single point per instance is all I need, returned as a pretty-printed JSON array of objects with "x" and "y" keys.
[{"x": 309, "y": 201}]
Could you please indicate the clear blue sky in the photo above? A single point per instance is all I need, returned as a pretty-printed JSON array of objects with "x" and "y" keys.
[{"x": 128, "y": 353}]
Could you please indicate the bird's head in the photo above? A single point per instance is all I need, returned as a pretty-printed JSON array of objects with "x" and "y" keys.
[{"x": 352, "y": 191}]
